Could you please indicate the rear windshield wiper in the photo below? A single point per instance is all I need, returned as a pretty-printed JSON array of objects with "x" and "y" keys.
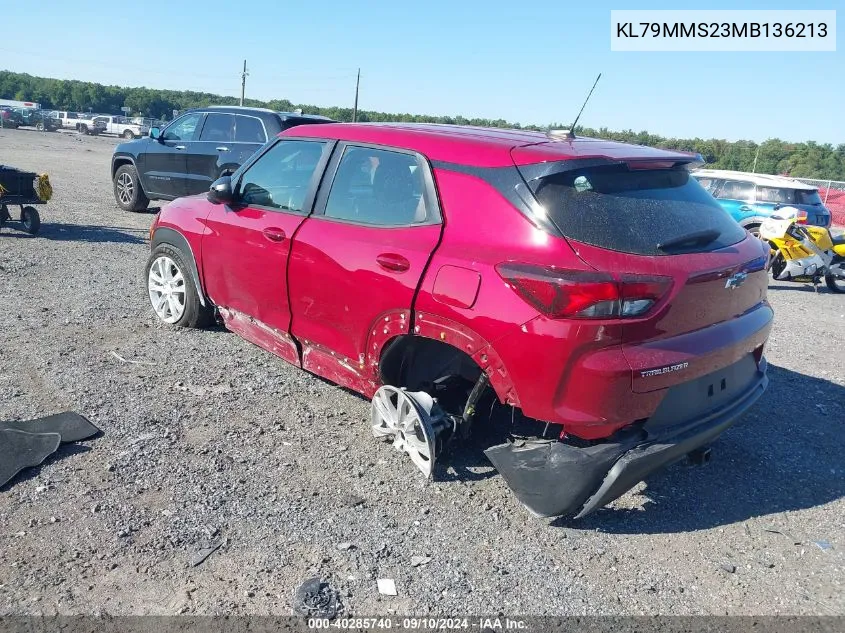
[{"x": 697, "y": 238}]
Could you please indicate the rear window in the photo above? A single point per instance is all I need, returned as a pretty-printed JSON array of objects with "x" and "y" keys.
[
  {"x": 634, "y": 211},
  {"x": 249, "y": 130},
  {"x": 736, "y": 190},
  {"x": 293, "y": 121},
  {"x": 807, "y": 196}
]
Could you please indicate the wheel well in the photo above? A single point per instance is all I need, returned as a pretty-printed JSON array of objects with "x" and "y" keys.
[
  {"x": 118, "y": 163},
  {"x": 171, "y": 237},
  {"x": 415, "y": 361},
  {"x": 423, "y": 364}
]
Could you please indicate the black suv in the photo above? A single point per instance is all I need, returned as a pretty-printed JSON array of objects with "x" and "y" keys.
[{"x": 193, "y": 151}]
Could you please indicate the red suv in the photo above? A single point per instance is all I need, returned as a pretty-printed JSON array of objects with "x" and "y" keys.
[{"x": 593, "y": 288}]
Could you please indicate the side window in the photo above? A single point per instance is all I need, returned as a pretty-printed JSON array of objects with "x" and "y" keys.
[
  {"x": 281, "y": 178},
  {"x": 218, "y": 127},
  {"x": 379, "y": 187},
  {"x": 773, "y": 194},
  {"x": 72, "y": 115},
  {"x": 736, "y": 190},
  {"x": 184, "y": 128},
  {"x": 708, "y": 183},
  {"x": 249, "y": 130}
]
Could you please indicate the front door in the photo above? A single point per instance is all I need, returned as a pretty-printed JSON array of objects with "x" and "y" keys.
[
  {"x": 359, "y": 258},
  {"x": 737, "y": 198},
  {"x": 165, "y": 159},
  {"x": 248, "y": 242}
]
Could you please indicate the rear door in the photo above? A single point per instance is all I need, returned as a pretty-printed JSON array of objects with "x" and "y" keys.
[
  {"x": 663, "y": 226},
  {"x": 205, "y": 154},
  {"x": 165, "y": 160},
  {"x": 248, "y": 243},
  {"x": 226, "y": 142},
  {"x": 359, "y": 258}
]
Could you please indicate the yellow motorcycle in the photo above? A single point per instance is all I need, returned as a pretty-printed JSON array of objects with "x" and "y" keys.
[{"x": 804, "y": 253}]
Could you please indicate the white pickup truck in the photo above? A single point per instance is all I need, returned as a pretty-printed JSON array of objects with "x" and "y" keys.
[
  {"x": 82, "y": 123},
  {"x": 121, "y": 126}
]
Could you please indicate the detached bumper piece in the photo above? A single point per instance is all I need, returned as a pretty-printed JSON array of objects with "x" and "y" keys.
[
  {"x": 552, "y": 478},
  {"x": 27, "y": 443}
]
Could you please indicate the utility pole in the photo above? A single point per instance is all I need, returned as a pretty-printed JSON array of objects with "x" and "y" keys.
[
  {"x": 243, "y": 83},
  {"x": 756, "y": 155},
  {"x": 355, "y": 108}
]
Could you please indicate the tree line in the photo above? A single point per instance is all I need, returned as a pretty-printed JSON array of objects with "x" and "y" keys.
[{"x": 774, "y": 156}]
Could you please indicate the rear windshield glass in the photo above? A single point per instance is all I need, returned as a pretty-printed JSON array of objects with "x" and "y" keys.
[
  {"x": 807, "y": 196},
  {"x": 634, "y": 211}
]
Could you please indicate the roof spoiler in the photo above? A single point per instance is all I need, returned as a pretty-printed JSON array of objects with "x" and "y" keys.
[{"x": 535, "y": 171}]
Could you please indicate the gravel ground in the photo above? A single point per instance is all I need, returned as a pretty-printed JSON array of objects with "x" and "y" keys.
[{"x": 208, "y": 437}]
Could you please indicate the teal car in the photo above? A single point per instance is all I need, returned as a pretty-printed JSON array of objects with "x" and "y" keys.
[{"x": 752, "y": 198}]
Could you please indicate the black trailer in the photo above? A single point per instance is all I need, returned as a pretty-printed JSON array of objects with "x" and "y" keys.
[{"x": 23, "y": 189}]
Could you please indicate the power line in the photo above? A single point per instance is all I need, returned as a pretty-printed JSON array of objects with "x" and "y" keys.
[{"x": 316, "y": 79}]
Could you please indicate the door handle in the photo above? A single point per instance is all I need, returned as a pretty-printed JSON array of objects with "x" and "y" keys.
[
  {"x": 393, "y": 262},
  {"x": 274, "y": 234},
  {"x": 179, "y": 147},
  {"x": 745, "y": 207},
  {"x": 222, "y": 149}
]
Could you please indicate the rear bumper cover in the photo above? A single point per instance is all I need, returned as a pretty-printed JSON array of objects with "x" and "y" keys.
[{"x": 552, "y": 478}]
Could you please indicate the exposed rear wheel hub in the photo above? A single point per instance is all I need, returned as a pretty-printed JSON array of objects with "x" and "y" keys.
[{"x": 414, "y": 422}]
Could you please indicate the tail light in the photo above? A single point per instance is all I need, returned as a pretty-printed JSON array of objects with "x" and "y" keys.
[
  {"x": 578, "y": 294},
  {"x": 801, "y": 217}
]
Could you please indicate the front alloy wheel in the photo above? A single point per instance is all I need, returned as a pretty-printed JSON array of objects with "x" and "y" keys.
[
  {"x": 166, "y": 285},
  {"x": 125, "y": 189},
  {"x": 173, "y": 291}
]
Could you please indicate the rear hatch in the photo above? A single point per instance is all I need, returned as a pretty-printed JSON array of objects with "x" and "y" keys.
[
  {"x": 810, "y": 201},
  {"x": 807, "y": 200},
  {"x": 654, "y": 223}
]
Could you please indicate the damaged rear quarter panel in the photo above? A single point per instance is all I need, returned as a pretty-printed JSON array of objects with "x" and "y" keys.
[{"x": 552, "y": 370}]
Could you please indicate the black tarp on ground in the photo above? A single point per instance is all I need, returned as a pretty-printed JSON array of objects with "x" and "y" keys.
[
  {"x": 27, "y": 443},
  {"x": 71, "y": 426}
]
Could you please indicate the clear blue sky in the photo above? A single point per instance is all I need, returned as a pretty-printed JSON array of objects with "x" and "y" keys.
[{"x": 529, "y": 62}]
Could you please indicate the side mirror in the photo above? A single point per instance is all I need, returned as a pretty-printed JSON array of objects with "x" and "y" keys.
[
  {"x": 155, "y": 133},
  {"x": 221, "y": 191},
  {"x": 777, "y": 206}
]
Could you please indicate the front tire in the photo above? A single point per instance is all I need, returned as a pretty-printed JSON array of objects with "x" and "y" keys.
[
  {"x": 127, "y": 189},
  {"x": 128, "y": 135},
  {"x": 172, "y": 290}
]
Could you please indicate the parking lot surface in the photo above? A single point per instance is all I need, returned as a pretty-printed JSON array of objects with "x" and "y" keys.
[{"x": 207, "y": 439}]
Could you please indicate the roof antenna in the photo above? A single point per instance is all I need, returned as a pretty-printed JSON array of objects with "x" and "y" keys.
[{"x": 570, "y": 133}]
